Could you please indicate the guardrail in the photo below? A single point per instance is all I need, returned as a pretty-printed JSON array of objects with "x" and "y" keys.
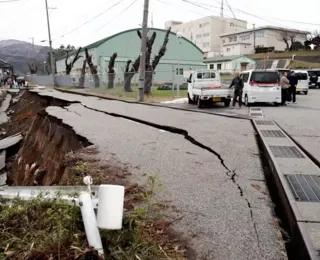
[{"x": 107, "y": 199}]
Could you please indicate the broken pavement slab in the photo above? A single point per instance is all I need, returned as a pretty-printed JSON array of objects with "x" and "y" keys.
[
  {"x": 222, "y": 211},
  {"x": 10, "y": 141}
]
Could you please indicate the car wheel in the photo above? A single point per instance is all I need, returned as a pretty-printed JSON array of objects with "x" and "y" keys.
[
  {"x": 200, "y": 103},
  {"x": 298, "y": 92},
  {"x": 246, "y": 101},
  {"x": 305, "y": 92},
  {"x": 190, "y": 101},
  {"x": 226, "y": 103},
  {"x": 276, "y": 104}
]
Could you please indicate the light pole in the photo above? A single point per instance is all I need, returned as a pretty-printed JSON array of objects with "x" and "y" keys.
[
  {"x": 50, "y": 44},
  {"x": 179, "y": 36},
  {"x": 44, "y": 67}
]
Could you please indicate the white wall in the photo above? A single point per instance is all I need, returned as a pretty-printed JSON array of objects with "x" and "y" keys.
[
  {"x": 205, "y": 32},
  {"x": 264, "y": 38}
]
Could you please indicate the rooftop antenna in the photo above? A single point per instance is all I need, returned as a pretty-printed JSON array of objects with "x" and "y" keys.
[{"x": 221, "y": 13}]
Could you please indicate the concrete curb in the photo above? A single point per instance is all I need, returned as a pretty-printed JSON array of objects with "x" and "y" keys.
[
  {"x": 152, "y": 104},
  {"x": 295, "y": 211}
]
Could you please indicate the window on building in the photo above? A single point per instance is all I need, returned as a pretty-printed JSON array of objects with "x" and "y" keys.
[
  {"x": 231, "y": 24},
  {"x": 205, "y": 44},
  {"x": 200, "y": 25},
  {"x": 198, "y": 35},
  {"x": 179, "y": 71},
  {"x": 219, "y": 66},
  {"x": 223, "y": 41},
  {"x": 259, "y": 34},
  {"x": 206, "y": 34},
  {"x": 232, "y": 38},
  {"x": 228, "y": 49},
  {"x": 211, "y": 66},
  {"x": 206, "y": 24},
  {"x": 245, "y": 37}
]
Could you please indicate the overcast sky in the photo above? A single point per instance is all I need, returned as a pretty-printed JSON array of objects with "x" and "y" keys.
[{"x": 24, "y": 19}]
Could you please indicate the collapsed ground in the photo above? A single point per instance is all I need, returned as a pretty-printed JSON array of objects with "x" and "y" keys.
[{"x": 51, "y": 153}]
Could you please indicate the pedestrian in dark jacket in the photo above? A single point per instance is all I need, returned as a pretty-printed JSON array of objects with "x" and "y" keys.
[
  {"x": 293, "y": 79},
  {"x": 237, "y": 83}
]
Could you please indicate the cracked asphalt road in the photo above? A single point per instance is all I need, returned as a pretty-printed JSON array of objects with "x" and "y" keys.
[{"x": 210, "y": 166}]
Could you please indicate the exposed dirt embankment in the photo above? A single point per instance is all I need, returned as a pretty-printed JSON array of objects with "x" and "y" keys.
[
  {"x": 47, "y": 141},
  {"x": 40, "y": 160}
]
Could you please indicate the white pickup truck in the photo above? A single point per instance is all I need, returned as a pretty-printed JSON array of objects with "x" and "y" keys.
[{"x": 205, "y": 86}]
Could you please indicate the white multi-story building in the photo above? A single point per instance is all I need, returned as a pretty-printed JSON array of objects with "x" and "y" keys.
[
  {"x": 205, "y": 32},
  {"x": 243, "y": 42}
]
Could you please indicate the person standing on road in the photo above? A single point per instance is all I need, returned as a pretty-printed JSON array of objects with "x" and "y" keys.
[
  {"x": 293, "y": 79},
  {"x": 238, "y": 86},
  {"x": 284, "y": 82}
]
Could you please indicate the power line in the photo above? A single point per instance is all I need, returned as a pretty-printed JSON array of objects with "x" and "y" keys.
[
  {"x": 9, "y": 1},
  {"x": 88, "y": 21},
  {"x": 117, "y": 15}
]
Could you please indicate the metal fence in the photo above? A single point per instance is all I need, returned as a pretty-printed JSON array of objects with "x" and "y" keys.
[{"x": 161, "y": 84}]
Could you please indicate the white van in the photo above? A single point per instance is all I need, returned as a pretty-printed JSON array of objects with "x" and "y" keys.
[
  {"x": 205, "y": 86},
  {"x": 261, "y": 86},
  {"x": 303, "y": 81}
]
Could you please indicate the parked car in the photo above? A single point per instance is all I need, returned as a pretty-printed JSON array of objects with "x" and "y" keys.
[
  {"x": 303, "y": 81},
  {"x": 314, "y": 78},
  {"x": 205, "y": 86},
  {"x": 261, "y": 86}
]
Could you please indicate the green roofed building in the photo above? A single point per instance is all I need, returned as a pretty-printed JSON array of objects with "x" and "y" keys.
[{"x": 181, "y": 56}]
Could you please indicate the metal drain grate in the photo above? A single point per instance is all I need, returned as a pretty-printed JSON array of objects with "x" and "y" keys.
[
  {"x": 264, "y": 122},
  {"x": 255, "y": 108},
  {"x": 304, "y": 187},
  {"x": 286, "y": 152},
  {"x": 272, "y": 133},
  {"x": 255, "y": 114}
]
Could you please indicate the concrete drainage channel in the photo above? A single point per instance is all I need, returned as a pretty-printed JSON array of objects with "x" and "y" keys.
[{"x": 296, "y": 180}]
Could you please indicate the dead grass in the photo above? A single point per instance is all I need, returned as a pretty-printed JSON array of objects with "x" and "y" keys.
[
  {"x": 284, "y": 54},
  {"x": 303, "y": 65}
]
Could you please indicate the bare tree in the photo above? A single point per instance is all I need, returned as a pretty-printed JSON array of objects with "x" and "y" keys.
[
  {"x": 128, "y": 75},
  {"x": 111, "y": 71},
  {"x": 93, "y": 69},
  {"x": 83, "y": 74},
  {"x": 33, "y": 67},
  {"x": 288, "y": 38},
  {"x": 69, "y": 65},
  {"x": 151, "y": 68}
]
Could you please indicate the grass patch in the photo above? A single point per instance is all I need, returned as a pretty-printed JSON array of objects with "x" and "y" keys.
[
  {"x": 118, "y": 91},
  {"x": 40, "y": 229}
]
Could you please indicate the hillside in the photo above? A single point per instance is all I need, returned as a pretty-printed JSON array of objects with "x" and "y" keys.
[{"x": 19, "y": 53}]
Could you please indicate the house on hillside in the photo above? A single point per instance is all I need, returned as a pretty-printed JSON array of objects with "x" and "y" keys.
[
  {"x": 180, "y": 57},
  {"x": 5, "y": 69},
  {"x": 229, "y": 64},
  {"x": 244, "y": 42}
]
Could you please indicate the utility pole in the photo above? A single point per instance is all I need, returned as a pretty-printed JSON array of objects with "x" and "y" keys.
[
  {"x": 221, "y": 12},
  {"x": 50, "y": 43},
  {"x": 254, "y": 37},
  {"x": 142, "y": 68}
]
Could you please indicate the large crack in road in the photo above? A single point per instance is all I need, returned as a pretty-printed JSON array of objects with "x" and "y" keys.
[{"x": 230, "y": 173}]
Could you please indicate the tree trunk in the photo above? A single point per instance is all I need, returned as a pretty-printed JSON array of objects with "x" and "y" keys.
[
  {"x": 148, "y": 82},
  {"x": 111, "y": 77},
  {"x": 127, "y": 81},
  {"x": 93, "y": 69},
  {"x": 83, "y": 74}
]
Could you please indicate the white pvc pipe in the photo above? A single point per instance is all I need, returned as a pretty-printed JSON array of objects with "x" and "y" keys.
[
  {"x": 110, "y": 209},
  {"x": 90, "y": 222}
]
